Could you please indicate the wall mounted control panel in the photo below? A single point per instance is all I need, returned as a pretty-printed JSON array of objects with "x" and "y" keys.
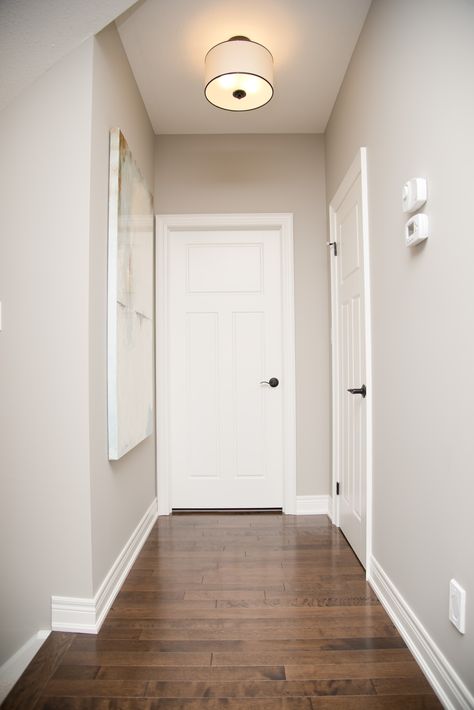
[
  {"x": 414, "y": 194},
  {"x": 416, "y": 229}
]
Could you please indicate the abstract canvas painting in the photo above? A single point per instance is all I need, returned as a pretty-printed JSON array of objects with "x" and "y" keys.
[{"x": 130, "y": 302}]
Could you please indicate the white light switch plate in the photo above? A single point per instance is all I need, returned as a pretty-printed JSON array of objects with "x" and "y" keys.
[{"x": 457, "y": 606}]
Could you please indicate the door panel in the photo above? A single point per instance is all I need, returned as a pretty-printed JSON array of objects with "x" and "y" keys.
[
  {"x": 202, "y": 393},
  {"x": 248, "y": 344},
  {"x": 224, "y": 268},
  {"x": 225, "y": 338}
]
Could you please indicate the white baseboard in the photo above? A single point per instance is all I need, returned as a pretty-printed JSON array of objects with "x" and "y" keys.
[
  {"x": 446, "y": 683},
  {"x": 313, "y": 505},
  {"x": 16, "y": 664},
  {"x": 82, "y": 615}
]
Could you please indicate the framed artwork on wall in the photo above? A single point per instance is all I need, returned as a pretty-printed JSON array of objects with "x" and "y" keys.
[{"x": 130, "y": 328}]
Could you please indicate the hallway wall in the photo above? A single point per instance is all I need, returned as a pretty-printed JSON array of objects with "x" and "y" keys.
[
  {"x": 65, "y": 511},
  {"x": 408, "y": 97},
  {"x": 45, "y": 538},
  {"x": 269, "y": 173},
  {"x": 121, "y": 491}
]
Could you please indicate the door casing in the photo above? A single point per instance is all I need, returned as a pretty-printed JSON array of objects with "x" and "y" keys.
[
  {"x": 358, "y": 167},
  {"x": 165, "y": 226}
]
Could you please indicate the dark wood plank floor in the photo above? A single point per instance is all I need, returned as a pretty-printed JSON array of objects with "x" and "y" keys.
[{"x": 248, "y": 612}]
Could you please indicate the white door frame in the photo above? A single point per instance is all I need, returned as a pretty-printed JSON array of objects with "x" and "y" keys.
[
  {"x": 165, "y": 226},
  {"x": 358, "y": 167}
]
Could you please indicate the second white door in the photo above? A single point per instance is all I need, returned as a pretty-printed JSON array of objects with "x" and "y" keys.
[
  {"x": 225, "y": 341},
  {"x": 350, "y": 325}
]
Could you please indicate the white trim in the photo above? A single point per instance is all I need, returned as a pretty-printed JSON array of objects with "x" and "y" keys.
[
  {"x": 16, "y": 664},
  {"x": 358, "y": 167},
  {"x": 165, "y": 225},
  {"x": 446, "y": 683},
  {"x": 368, "y": 354},
  {"x": 83, "y": 615},
  {"x": 335, "y": 378},
  {"x": 163, "y": 482},
  {"x": 313, "y": 505}
]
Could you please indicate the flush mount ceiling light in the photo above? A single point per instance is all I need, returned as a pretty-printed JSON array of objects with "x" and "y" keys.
[{"x": 239, "y": 75}]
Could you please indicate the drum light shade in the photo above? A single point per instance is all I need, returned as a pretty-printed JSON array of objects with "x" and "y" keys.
[{"x": 239, "y": 75}]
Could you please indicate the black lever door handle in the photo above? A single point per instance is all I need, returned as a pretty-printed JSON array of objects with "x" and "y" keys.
[
  {"x": 359, "y": 390},
  {"x": 273, "y": 382}
]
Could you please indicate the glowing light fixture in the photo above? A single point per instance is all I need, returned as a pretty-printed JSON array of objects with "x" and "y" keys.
[{"x": 239, "y": 75}]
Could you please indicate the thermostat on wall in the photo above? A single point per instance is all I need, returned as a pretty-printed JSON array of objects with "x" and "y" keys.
[
  {"x": 416, "y": 229},
  {"x": 414, "y": 194}
]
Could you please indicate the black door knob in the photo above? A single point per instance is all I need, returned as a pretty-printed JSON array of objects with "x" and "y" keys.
[
  {"x": 359, "y": 390},
  {"x": 273, "y": 382}
]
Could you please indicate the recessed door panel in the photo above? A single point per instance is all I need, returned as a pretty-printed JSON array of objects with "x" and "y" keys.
[
  {"x": 358, "y": 409},
  {"x": 349, "y": 247},
  {"x": 203, "y": 438},
  {"x": 347, "y": 402},
  {"x": 248, "y": 334},
  {"x": 225, "y": 268}
]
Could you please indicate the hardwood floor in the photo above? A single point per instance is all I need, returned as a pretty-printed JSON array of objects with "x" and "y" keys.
[{"x": 247, "y": 612}]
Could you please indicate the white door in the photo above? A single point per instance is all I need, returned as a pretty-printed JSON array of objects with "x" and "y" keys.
[
  {"x": 350, "y": 363},
  {"x": 225, "y": 340}
]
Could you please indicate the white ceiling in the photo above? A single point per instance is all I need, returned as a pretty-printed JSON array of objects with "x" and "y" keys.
[
  {"x": 311, "y": 41},
  {"x": 34, "y": 34}
]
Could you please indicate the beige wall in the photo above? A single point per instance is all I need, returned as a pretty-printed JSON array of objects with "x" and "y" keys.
[
  {"x": 121, "y": 490},
  {"x": 269, "y": 173},
  {"x": 408, "y": 96},
  {"x": 45, "y": 539},
  {"x": 65, "y": 511}
]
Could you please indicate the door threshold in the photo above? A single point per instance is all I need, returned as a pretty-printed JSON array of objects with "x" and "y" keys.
[{"x": 226, "y": 511}]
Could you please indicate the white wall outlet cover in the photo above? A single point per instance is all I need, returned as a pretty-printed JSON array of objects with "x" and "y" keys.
[
  {"x": 457, "y": 606},
  {"x": 414, "y": 194}
]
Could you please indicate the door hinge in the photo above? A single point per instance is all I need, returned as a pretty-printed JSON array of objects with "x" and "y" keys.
[
  {"x": 332, "y": 244},
  {"x": 337, "y": 488}
]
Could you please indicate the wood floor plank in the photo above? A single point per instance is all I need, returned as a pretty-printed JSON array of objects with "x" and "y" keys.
[
  {"x": 168, "y": 592},
  {"x": 67, "y": 703},
  {"x": 237, "y": 612},
  {"x": 290, "y": 601},
  {"x": 206, "y": 673},
  {"x": 311, "y": 657},
  {"x": 227, "y": 594},
  {"x": 127, "y": 658},
  {"x": 255, "y": 629},
  {"x": 400, "y": 669},
  {"x": 165, "y": 606},
  {"x": 259, "y": 689},
  {"x": 402, "y": 685},
  {"x": 96, "y": 688},
  {"x": 399, "y": 702},
  {"x": 321, "y": 616},
  {"x": 172, "y": 589}
]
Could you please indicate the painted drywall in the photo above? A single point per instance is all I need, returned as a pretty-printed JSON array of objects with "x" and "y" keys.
[
  {"x": 36, "y": 35},
  {"x": 65, "y": 511},
  {"x": 121, "y": 490},
  {"x": 44, "y": 438},
  {"x": 408, "y": 97},
  {"x": 269, "y": 173}
]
